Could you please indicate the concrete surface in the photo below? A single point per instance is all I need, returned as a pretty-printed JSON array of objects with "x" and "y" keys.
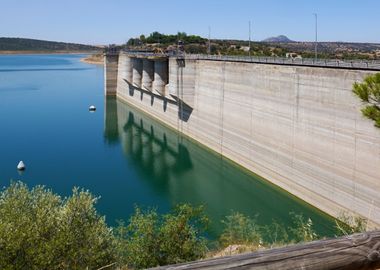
[{"x": 299, "y": 127}]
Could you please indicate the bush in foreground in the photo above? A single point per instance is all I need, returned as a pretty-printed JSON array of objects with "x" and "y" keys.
[
  {"x": 245, "y": 231},
  {"x": 151, "y": 239},
  {"x": 41, "y": 230}
]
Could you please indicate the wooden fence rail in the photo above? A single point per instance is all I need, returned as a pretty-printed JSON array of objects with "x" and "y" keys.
[{"x": 354, "y": 252}]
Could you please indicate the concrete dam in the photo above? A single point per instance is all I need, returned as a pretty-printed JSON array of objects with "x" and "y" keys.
[{"x": 297, "y": 125}]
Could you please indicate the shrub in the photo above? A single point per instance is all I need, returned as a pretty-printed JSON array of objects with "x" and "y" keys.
[
  {"x": 243, "y": 230},
  {"x": 151, "y": 239},
  {"x": 302, "y": 229},
  {"x": 40, "y": 230},
  {"x": 240, "y": 230},
  {"x": 275, "y": 234},
  {"x": 346, "y": 224}
]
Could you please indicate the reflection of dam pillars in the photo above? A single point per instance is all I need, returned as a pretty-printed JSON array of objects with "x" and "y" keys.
[
  {"x": 110, "y": 73},
  {"x": 128, "y": 69},
  {"x": 137, "y": 71},
  {"x": 161, "y": 69},
  {"x": 111, "y": 132},
  {"x": 153, "y": 148},
  {"x": 147, "y": 74}
]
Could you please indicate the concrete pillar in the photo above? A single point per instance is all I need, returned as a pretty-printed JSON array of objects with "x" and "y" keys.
[
  {"x": 147, "y": 74},
  {"x": 110, "y": 73},
  {"x": 128, "y": 69},
  {"x": 121, "y": 66},
  {"x": 137, "y": 72},
  {"x": 160, "y": 76}
]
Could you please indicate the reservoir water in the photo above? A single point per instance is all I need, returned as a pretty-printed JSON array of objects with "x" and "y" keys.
[{"x": 117, "y": 152}]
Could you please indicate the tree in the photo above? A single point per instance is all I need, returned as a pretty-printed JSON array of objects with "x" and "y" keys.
[
  {"x": 40, "y": 230},
  {"x": 369, "y": 92},
  {"x": 134, "y": 42}
]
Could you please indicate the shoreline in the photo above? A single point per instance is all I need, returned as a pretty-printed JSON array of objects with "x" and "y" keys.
[
  {"x": 92, "y": 62},
  {"x": 93, "y": 59}
]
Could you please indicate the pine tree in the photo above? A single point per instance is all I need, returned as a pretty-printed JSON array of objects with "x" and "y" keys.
[{"x": 369, "y": 92}]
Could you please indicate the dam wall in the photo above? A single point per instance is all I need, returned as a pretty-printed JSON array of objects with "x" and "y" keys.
[{"x": 299, "y": 127}]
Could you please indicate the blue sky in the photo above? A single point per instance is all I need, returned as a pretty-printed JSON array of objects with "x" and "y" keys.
[{"x": 114, "y": 21}]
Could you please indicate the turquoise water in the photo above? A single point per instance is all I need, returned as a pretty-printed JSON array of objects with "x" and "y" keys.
[{"x": 118, "y": 153}]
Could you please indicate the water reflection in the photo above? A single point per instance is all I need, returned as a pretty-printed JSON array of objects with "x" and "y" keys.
[
  {"x": 152, "y": 151},
  {"x": 178, "y": 170},
  {"x": 111, "y": 132}
]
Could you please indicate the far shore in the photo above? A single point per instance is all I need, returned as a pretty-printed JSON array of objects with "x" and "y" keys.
[{"x": 94, "y": 59}]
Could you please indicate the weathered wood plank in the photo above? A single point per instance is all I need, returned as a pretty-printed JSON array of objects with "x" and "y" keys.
[{"x": 355, "y": 252}]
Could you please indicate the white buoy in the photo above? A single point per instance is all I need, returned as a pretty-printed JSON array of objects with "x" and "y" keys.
[
  {"x": 21, "y": 166},
  {"x": 92, "y": 108}
]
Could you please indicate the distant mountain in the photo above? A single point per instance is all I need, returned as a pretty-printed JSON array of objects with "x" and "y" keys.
[
  {"x": 281, "y": 39},
  {"x": 25, "y": 44}
]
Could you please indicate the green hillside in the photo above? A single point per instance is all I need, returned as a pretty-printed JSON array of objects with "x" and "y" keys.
[{"x": 25, "y": 44}]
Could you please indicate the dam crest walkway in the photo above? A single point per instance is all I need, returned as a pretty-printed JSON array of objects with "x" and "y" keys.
[{"x": 373, "y": 65}]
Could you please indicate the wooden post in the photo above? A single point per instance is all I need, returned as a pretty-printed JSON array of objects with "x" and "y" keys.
[{"x": 354, "y": 252}]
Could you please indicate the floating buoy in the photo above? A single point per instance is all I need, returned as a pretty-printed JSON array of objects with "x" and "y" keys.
[
  {"x": 92, "y": 108},
  {"x": 21, "y": 166}
]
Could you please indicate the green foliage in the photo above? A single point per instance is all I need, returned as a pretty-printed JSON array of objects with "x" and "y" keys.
[
  {"x": 369, "y": 92},
  {"x": 240, "y": 229},
  {"x": 195, "y": 49},
  {"x": 142, "y": 38},
  {"x": 40, "y": 230},
  {"x": 134, "y": 42},
  {"x": 275, "y": 234},
  {"x": 346, "y": 224},
  {"x": 141, "y": 244},
  {"x": 157, "y": 37},
  {"x": 243, "y": 230},
  {"x": 180, "y": 235},
  {"x": 302, "y": 229},
  {"x": 150, "y": 239}
]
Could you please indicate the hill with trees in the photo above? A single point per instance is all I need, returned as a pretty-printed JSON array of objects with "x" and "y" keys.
[
  {"x": 273, "y": 47},
  {"x": 25, "y": 44}
]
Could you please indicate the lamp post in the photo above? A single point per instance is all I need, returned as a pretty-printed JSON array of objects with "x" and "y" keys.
[
  {"x": 249, "y": 28},
  {"x": 209, "y": 42},
  {"x": 316, "y": 36}
]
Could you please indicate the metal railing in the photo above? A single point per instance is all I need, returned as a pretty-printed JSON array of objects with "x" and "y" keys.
[
  {"x": 148, "y": 54},
  {"x": 335, "y": 63},
  {"x": 332, "y": 63}
]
